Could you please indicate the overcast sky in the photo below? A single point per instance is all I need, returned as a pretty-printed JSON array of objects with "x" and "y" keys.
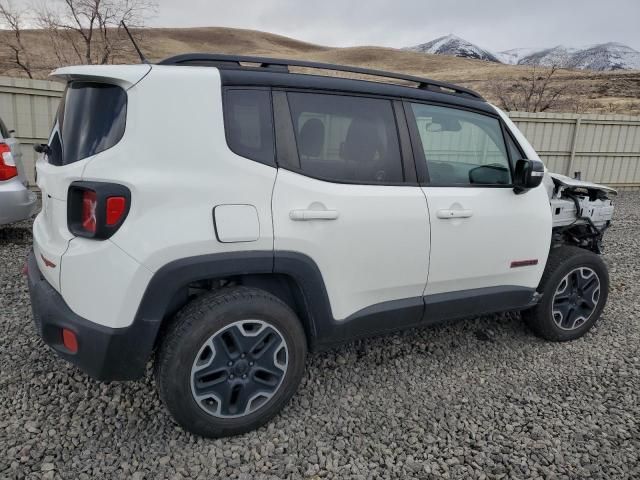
[{"x": 494, "y": 24}]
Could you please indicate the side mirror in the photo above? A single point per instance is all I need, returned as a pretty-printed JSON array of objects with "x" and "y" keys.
[{"x": 528, "y": 174}]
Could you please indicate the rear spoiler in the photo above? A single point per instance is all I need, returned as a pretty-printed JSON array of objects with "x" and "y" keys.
[{"x": 125, "y": 76}]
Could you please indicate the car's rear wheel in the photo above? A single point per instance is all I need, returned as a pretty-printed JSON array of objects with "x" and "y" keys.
[
  {"x": 574, "y": 289},
  {"x": 230, "y": 361}
]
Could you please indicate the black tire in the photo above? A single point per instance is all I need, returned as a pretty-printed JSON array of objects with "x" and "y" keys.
[
  {"x": 567, "y": 261},
  {"x": 203, "y": 320}
]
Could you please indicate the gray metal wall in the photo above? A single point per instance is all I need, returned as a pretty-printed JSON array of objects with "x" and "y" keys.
[
  {"x": 603, "y": 148},
  {"x": 28, "y": 107}
]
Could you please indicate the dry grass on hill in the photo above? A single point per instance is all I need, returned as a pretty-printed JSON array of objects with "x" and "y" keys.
[{"x": 599, "y": 92}]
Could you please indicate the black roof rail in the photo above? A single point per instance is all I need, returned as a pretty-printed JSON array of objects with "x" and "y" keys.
[{"x": 282, "y": 65}]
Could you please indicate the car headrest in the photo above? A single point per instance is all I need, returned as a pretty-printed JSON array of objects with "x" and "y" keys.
[
  {"x": 311, "y": 137},
  {"x": 362, "y": 141}
]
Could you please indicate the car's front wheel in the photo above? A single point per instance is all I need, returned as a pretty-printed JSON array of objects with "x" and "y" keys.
[
  {"x": 574, "y": 289},
  {"x": 230, "y": 361}
]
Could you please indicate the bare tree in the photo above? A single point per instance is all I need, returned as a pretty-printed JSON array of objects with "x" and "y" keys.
[
  {"x": 89, "y": 31},
  {"x": 536, "y": 92},
  {"x": 14, "y": 52}
]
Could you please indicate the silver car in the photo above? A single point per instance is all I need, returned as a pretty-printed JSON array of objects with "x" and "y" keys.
[{"x": 17, "y": 202}]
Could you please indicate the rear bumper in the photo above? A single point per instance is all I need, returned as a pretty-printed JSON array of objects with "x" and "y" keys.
[
  {"x": 103, "y": 353},
  {"x": 16, "y": 202}
]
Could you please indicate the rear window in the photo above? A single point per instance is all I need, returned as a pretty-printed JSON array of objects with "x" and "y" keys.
[
  {"x": 91, "y": 118},
  {"x": 249, "y": 124}
]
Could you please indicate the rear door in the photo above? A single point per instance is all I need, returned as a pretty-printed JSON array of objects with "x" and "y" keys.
[
  {"x": 346, "y": 197},
  {"x": 485, "y": 239}
]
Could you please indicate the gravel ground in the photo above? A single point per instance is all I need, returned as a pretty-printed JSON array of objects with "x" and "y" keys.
[{"x": 481, "y": 398}]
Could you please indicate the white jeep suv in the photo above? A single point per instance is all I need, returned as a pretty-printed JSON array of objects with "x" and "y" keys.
[{"x": 225, "y": 216}]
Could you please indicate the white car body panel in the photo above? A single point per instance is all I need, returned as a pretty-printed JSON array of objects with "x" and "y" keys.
[
  {"x": 51, "y": 238},
  {"x": 182, "y": 224},
  {"x": 376, "y": 250},
  {"x": 477, "y": 251},
  {"x": 99, "y": 281}
]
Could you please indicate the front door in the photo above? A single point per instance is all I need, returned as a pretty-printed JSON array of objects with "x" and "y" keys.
[{"x": 483, "y": 235}]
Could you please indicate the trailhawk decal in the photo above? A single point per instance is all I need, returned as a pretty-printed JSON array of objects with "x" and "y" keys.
[{"x": 524, "y": 263}]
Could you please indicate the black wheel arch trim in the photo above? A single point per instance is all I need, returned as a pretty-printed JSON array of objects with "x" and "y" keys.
[
  {"x": 128, "y": 349},
  {"x": 312, "y": 299}
]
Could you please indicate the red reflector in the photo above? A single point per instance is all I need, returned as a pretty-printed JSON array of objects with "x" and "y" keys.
[
  {"x": 7, "y": 166},
  {"x": 25, "y": 269},
  {"x": 70, "y": 340},
  {"x": 116, "y": 207},
  {"x": 89, "y": 203}
]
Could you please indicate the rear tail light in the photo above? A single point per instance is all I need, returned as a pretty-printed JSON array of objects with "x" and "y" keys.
[
  {"x": 89, "y": 205},
  {"x": 7, "y": 163},
  {"x": 116, "y": 208},
  {"x": 97, "y": 209}
]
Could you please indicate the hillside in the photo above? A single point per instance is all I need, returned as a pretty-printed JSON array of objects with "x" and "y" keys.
[{"x": 604, "y": 92}]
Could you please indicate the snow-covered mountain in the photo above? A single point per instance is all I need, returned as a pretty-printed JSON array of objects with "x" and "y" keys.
[
  {"x": 546, "y": 57},
  {"x": 605, "y": 56},
  {"x": 455, "y": 46},
  {"x": 513, "y": 56}
]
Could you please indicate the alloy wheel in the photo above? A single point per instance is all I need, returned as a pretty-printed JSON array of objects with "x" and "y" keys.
[
  {"x": 239, "y": 368},
  {"x": 576, "y": 298}
]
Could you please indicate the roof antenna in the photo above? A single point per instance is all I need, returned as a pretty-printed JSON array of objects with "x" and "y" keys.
[{"x": 143, "y": 59}]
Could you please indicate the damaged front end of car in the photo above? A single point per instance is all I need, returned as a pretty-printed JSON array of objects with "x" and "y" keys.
[{"x": 581, "y": 211}]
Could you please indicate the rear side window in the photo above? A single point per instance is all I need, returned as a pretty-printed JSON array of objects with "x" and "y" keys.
[
  {"x": 249, "y": 124},
  {"x": 346, "y": 139},
  {"x": 461, "y": 147},
  {"x": 91, "y": 118}
]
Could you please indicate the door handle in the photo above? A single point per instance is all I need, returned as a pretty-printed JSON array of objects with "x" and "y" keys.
[
  {"x": 304, "y": 215},
  {"x": 444, "y": 214}
]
